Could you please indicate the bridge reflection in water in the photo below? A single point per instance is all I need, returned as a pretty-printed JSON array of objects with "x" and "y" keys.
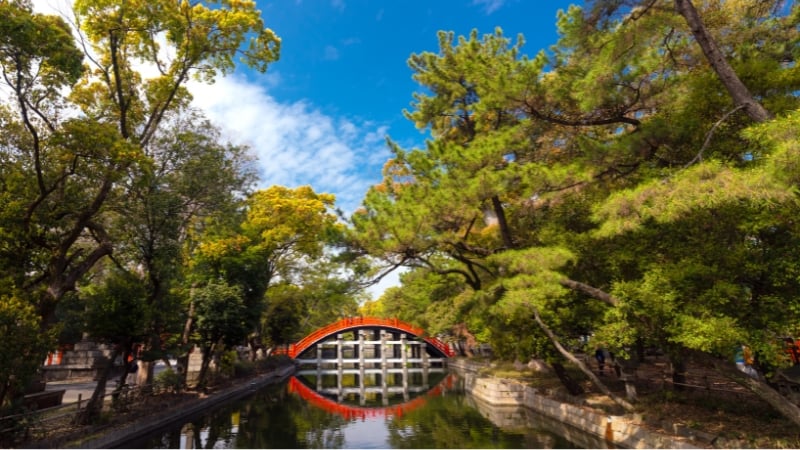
[{"x": 345, "y": 407}]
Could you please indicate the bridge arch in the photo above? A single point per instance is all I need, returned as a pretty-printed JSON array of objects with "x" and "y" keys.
[{"x": 355, "y": 323}]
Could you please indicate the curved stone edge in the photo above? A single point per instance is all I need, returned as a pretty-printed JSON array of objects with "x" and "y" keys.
[
  {"x": 165, "y": 418},
  {"x": 615, "y": 430}
]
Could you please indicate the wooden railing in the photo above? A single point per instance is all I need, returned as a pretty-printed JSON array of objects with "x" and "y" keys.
[{"x": 360, "y": 322}]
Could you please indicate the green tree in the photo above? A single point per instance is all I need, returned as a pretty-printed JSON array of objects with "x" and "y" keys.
[
  {"x": 624, "y": 140},
  {"x": 116, "y": 313},
  {"x": 65, "y": 173},
  {"x": 282, "y": 232},
  {"x": 320, "y": 294},
  {"x": 220, "y": 321},
  {"x": 20, "y": 349},
  {"x": 192, "y": 176}
]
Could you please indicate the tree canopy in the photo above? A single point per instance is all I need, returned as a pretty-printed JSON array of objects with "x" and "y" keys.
[{"x": 634, "y": 184}]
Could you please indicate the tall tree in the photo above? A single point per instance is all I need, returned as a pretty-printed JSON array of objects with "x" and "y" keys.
[
  {"x": 192, "y": 176},
  {"x": 80, "y": 119},
  {"x": 69, "y": 166},
  {"x": 605, "y": 165},
  {"x": 281, "y": 234}
]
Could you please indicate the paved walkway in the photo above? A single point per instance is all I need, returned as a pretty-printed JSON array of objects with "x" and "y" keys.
[{"x": 84, "y": 388}]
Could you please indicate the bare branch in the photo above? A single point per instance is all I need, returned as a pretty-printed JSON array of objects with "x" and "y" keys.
[
  {"x": 699, "y": 156},
  {"x": 591, "y": 291},
  {"x": 567, "y": 354}
]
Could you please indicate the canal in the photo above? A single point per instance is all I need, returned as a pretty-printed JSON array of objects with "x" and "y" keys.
[{"x": 307, "y": 412}]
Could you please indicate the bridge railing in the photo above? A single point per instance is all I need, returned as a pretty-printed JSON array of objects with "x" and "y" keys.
[{"x": 353, "y": 322}]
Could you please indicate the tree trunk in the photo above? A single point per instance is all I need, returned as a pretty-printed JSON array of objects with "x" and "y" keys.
[
  {"x": 678, "y": 373},
  {"x": 640, "y": 350},
  {"x": 201, "y": 377},
  {"x": 145, "y": 375},
  {"x": 183, "y": 358},
  {"x": 567, "y": 354},
  {"x": 573, "y": 387},
  {"x": 502, "y": 222},
  {"x": 95, "y": 404},
  {"x": 4, "y": 388},
  {"x": 737, "y": 90},
  {"x": 124, "y": 377},
  {"x": 253, "y": 343},
  {"x": 760, "y": 388}
]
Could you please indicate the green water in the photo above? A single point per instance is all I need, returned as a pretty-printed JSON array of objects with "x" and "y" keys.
[{"x": 277, "y": 417}]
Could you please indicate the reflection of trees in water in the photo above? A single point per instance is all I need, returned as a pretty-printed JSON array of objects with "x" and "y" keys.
[
  {"x": 275, "y": 419},
  {"x": 271, "y": 419},
  {"x": 448, "y": 422},
  {"x": 317, "y": 428}
]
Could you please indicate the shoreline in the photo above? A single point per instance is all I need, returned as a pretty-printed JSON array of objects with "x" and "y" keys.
[
  {"x": 119, "y": 435},
  {"x": 624, "y": 431}
]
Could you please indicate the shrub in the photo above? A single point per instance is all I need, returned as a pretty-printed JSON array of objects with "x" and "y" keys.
[
  {"x": 242, "y": 368},
  {"x": 273, "y": 362},
  {"x": 169, "y": 381},
  {"x": 227, "y": 363}
]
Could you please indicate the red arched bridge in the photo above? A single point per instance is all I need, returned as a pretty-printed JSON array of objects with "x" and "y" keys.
[{"x": 435, "y": 347}]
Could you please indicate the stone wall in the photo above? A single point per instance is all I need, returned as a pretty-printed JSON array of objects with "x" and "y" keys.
[
  {"x": 626, "y": 431},
  {"x": 84, "y": 361}
]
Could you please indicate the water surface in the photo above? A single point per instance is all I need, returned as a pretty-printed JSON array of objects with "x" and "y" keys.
[{"x": 288, "y": 416}]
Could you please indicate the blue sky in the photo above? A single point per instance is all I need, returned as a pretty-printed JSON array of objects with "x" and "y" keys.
[{"x": 320, "y": 114}]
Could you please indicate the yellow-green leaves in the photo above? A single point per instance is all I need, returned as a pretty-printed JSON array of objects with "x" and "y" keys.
[
  {"x": 173, "y": 41},
  {"x": 281, "y": 227},
  {"x": 707, "y": 185},
  {"x": 531, "y": 276},
  {"x": 781, "y": 137},
  {"x": 772, "y": 179},
  {"x": 283, "y": 217},
  {"x": 199, "y": 35},
  {"x": 42, "y": 46},
  {"x": 707, "y": 333}
]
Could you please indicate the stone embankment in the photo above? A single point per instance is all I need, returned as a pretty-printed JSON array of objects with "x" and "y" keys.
[
  {"x": 170, "y": 415},
  {"x": 622, "y": 431}
]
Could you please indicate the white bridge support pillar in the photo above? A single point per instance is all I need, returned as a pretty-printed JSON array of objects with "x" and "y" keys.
[
  {"x": 404, "y": 358},
  {"x": 340, "y": 364},
  {"x": 319, "y": 366},
  {"x": 384, "y": 372},
  {"x": 361, "y": 374},
  {"x": 425, "y": 363}
]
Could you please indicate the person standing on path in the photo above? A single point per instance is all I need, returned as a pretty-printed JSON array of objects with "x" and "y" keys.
[{"x": 600, "y": 356}]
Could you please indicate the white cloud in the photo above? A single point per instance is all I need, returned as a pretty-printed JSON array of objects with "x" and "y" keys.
[
  {"x": 331, "y": 53},
  {"x": 489, "y": 6},
  {"x": 296, "y": 144},
  {"x": 338, "y": 4}
]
